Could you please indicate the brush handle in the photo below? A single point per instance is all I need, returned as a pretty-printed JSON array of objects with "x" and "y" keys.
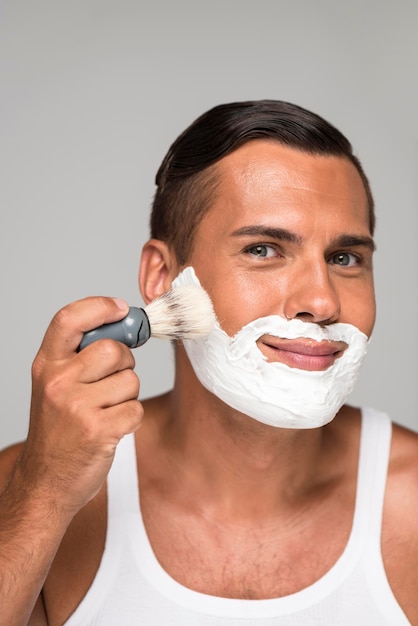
[{"x": 133, "y": 330}]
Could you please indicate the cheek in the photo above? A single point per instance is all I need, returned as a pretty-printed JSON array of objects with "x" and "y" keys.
[
  {"x": 371, "y": 318},
  {"x": 360, "y": 310},
  {"x": 239, "y": 301}
]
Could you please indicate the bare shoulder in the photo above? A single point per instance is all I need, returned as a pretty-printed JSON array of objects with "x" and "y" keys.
[
  {"x": 8, "y": 458},
  {"x": 401, "y": 501},
  {"x": 402, "y": 482},
  {"x": 403, "y": 467},
  {"x": 400, "y": 520}
]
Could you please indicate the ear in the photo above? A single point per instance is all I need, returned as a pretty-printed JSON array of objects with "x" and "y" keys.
[{"x": 158, "y": 269}]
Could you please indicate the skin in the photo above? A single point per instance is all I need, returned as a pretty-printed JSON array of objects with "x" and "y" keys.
[
  {"x": 287, "y": 235},
  {"x": 260, "y": 252}
]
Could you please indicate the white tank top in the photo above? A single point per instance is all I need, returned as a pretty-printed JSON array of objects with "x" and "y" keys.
[{"x": 132, "y": 589}]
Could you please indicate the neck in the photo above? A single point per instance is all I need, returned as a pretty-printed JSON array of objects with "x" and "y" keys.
[{"x": 246, "y": 466}]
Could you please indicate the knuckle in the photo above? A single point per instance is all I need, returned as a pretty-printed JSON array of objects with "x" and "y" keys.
[
  {"x": 116, "y": 354},
  {"x": 77, "y": 407},
  {"x": 134, "y": 412},
  {"x": 104, "y": 353},
  {"x": 126, "y": 384},
  {"x": 128, "y": 358},
  {"x": 108, "y": 348},
  {"x": 63, "y": 319},
  {"x": 55, "y": 387},
  {"x": 131, "y": 381},
  {"x": 90, "y": 432},
  {"x": 128, "y": 375},
  {"x": 38, "y": 367}
]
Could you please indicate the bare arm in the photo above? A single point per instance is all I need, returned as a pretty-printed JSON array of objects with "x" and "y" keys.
[
  {"x": 82, "y": 405},
  {"x": 400, "y": 523},
  {"x": 30, "y": 532}
]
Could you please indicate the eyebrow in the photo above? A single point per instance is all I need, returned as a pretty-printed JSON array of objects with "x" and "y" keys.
[
  {"x": 351, "y": 241},
  {"x": 268, "y": 231},
  {"x": 282, "y": 234}
]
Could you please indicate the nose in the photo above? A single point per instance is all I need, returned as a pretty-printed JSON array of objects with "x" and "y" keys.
[{"x": 312, "y": 296}]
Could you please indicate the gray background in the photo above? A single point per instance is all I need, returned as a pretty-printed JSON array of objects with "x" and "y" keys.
[{"x": 93, "y": 93}]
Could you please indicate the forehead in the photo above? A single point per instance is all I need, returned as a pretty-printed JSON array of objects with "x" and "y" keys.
[{"x": 267, "y": 174}]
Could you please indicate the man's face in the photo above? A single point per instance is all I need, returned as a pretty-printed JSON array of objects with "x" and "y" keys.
[{"x": 287, "y": 235}]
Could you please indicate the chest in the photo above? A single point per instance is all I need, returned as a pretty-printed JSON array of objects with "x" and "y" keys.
[{"x": 247, "y": 560}]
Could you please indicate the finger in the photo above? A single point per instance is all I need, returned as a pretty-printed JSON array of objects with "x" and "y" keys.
[
  {"x": 124, "y": 418},
  {"x": 66, "y": 330},
  {"x": 102, "y": 359},
  {"x": 114, "y": 390}
]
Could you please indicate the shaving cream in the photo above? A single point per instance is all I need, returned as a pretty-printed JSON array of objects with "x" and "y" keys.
[{"x": 237, "y": 372}]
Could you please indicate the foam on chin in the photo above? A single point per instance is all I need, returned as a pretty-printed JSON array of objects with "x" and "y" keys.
[{"x": 236, "y": 371}]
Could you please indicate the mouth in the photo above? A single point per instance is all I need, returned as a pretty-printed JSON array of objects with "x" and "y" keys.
[{"x": 303, "y": 353}]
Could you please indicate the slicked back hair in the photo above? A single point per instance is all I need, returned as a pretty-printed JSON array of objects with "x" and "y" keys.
[{"x": 187, "y": 181}]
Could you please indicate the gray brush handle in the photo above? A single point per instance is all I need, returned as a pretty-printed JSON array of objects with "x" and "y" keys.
[{"x": 133, "y": 330}]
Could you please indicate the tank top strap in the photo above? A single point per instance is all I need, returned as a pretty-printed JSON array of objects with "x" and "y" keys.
[
  {"x": 122, "y": 483},
  {"x": 376, "y": 434},
  {"x": 122, "y": 499}
]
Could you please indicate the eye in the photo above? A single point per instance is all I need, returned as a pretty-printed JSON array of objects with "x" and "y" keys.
[
  {"x": 345, "y": 259},
  {"x": 262, "y": 251}
]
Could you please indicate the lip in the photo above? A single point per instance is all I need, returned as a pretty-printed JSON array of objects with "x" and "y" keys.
[{"x": 303, "y": 353}]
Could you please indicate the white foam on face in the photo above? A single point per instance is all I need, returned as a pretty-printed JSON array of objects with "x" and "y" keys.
[{"x": 236, "y": 371}]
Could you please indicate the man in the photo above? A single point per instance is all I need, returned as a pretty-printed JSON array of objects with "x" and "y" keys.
[{"x": 264, "y": 499}]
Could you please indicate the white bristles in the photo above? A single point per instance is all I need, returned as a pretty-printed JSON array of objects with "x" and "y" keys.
[{"x": 184, "y": 312}]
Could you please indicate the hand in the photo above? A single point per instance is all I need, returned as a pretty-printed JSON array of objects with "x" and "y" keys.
[{"x": 83, "y": 403}]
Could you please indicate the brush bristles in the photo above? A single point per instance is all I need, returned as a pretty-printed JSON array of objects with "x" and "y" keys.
[{"x": 184, "y": 312}]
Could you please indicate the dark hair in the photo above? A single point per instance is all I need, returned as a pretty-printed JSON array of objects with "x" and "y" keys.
[{"x": 186, "y": 182}]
